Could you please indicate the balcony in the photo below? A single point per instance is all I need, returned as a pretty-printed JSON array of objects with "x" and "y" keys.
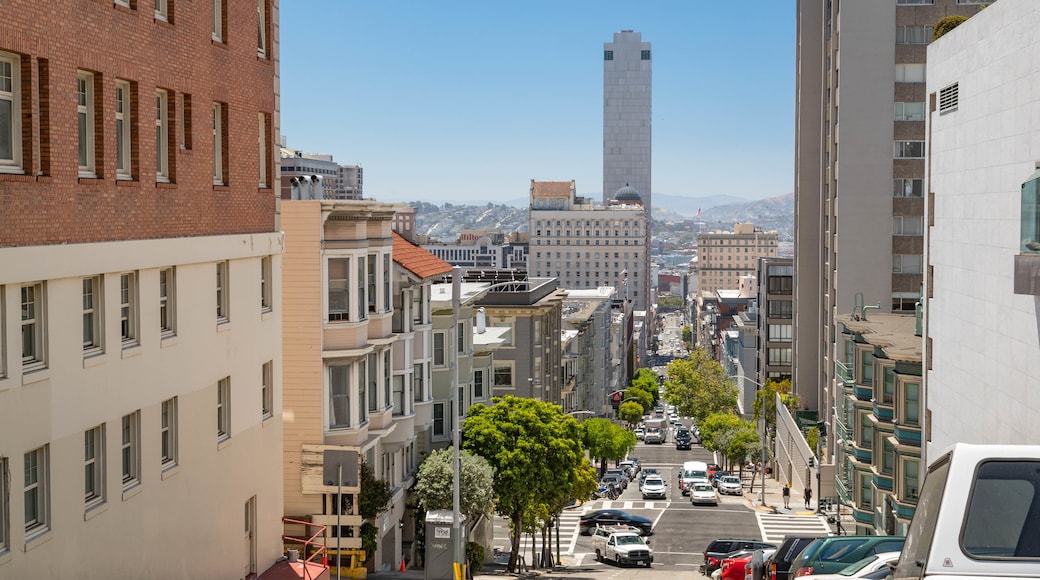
[
  {"x": 908, "y": 434},
  {"x": 882, "y": 411},
  {"x": 843, "y": 372},
  {"x": 841, "y": 430},
  {"x": 863, "y": 392},
  {"x": 842, "y": 489},
  {"x": 882, "y": 481}
]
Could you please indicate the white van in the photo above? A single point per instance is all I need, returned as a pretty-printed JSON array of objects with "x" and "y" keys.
[{"x": 692, "y": 472}]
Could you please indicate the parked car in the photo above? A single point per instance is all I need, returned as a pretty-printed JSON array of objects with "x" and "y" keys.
[
  {"x": 614, "y": 479},
  {"x": 872, "y": 563},
  {"x": 704, "y": 494},
  {"x": 831, "y": 555},
  {"x": 732, "y": 566},
  {"x": 613, "y": 517},
  {"x": 629, "y": 467},
  {"x": 683, "y": 439},
  {"x": 654, "y": 487},
  {"x": 779, "y": 564},
  {"x": 640, "y": 433},
  {"x": 715, "y": 477},
  {"x": 755, "y": 567},
  {"x": 712, "y": 468},
  {"x": 718, "y": 549},
  {"x": 622, "y": 476},
  {"x": 730, "y": 485}
]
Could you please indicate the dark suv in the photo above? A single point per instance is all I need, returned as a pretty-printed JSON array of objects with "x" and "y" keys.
[
  {"x": 719, "y": 549},
  {"x": 778, "y": 565},
  {"x": 683, "y": 439}
]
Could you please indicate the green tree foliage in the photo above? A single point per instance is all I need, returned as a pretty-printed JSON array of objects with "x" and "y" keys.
[
  {"x": 536, "y": 452},
  {"x": 687, "y": 335},
  {"x": 373, "y": 500},
  {"x": 744, "y": 443},
  {"x": 765, "y": 401},
  {"x": 631, "y": 412},
  {"x": 606, "y": 440},
  {"x": 732, "y": 437},
  {"x": 669, "y": 303},
  {"x": 646, "y": 380},
  {"x": 698, "y": 386},
  {"x": 946, "y": 24},
  {"x": 434, "y": 483},
  {"x": 812, "y": 437}
]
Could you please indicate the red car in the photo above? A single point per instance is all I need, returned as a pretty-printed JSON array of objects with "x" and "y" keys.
[{"x": 733, "y": 566}]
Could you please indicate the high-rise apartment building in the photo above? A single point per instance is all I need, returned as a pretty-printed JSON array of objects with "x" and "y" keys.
[
  {"x": 626, "y": 116},
  {"x": 586, "y": 245},
  {"x": 140, "y": 290},
  {"x": 723, "y": 258},
  {"x": 859, "y": 193}
]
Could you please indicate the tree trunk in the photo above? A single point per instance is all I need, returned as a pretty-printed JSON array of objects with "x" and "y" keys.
[{"x": 514, "y": 552}]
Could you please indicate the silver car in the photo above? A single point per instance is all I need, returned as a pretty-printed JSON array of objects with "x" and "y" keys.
[
  {"x": 730, "y": 485},
  {"x": 654, "y": 488}
]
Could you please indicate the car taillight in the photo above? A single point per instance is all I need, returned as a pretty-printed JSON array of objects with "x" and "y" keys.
[
  {"x": 713, "y": 561},
  {"x": 804, "y": 571},
  {"x": 772, "y": 571}
]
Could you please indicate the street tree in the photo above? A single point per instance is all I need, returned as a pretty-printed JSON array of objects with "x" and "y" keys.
[
  {"x": 646, "y": 380},
  {"x": 743, "y": 443},
  {"x": 373, "y": 499},
  {"x": 631, "y": 412},
  {"x": 644, "y": 399},
  {"x": 765, "y": 401},
  {"x": 536, "y": 452},
  {"x": 605, "y": 441},
  {"x": 698, "y": 386},
  {"x": 434, "y": 483}
]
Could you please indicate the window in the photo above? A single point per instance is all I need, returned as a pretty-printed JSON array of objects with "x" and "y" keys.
[
  {"x": 608, "y": 55},
  {"x": 910, "y": 486},
  {"x": 907, "y": 225},
  {"x": 913, "y": 34},
  {"x": 10, "y": 113},
  {"x": 388, "y": 372},
  {"x": 36, "y": 491},
  {"x": 373, "y": 384},
  {"x": 914, "y": 2},
  {"x": 219, "y": 21},
  {"x": 438, "y": 420},
  {"x": 128, "y": 308},
  {"x": 909, "y": 149},
  {"x": 503, "y": 376},
  {"x": 400, "y": 399},
  {"x": 339, "y": 292},
  {"x": 92, "y": 301},
  {"x": 907, "y": 263},
  {"x": 780, "y": 284},
  {"x": 5, "y": 525},
  {"x": 781, "y": 332},
  {"x": 866, "y": 367},
  {"x": 909, "y": 111},
  {"x": 263, "y": 151},
  {"x": 85, "y": 116},
  {"x": 219, "y": 133},
  {"x": 644, "y": 55},
  {"x": 780, "y": 308},
  {"x": 130, "y": 449},
  {"x": 185, "y": 121},
  {"x": 1030, "y": 208},
  {"x": 911, "y": 404},
  {"x": 267, "y": 390},
  {"x": 94, "y": 465},
  {"x": 888, "y": 386},
  {"x": 866, "y": 432},
  {"x": 460, "y": 337},
  {"x": 387, "y": 305},
  {"x": 910, "y": 73},
  {"x": 780, "y": 356},
  {"x": 418, "y": 379},
  {"x": 162, "y": 136},
  {"x": 888, "y": 457},
  {"x": 261, "y": 29},
  {"x": 167, "y": 316},
  {"x": 32, "y": 327},
  {"x": 123, "y": 136},
  {"x": 362, "y": 312},
  {"x": 168, "y": 433},
  {"x": 372, "y": 294},
  {"x": 224, "y": 408},
  {"x": 907, "y": 187},
  {"x": 478, "y": 384},
  {"x": 265, "y": 284},
  {"x": 339, "y": 396},
  {"x": 162, "y": 10},
  {"x": 222, "y": 293},
  {"x": 438, "y": 349}
]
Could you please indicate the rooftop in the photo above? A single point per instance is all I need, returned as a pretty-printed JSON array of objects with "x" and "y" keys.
[
  {"x": 894, "y": 333},
  {"x": 418, "y": 261}
]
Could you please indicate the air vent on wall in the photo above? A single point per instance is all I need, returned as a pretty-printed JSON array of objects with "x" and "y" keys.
[{"x": 948, "y": 98}]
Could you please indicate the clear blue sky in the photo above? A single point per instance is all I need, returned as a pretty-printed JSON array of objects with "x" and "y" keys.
[{"x": 469, "y": 100}]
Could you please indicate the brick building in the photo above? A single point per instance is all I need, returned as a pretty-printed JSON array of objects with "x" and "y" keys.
[{"x": 140, "y": 293}]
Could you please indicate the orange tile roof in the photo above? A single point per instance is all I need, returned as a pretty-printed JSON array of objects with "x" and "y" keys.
[
  {"x": 417, "y": 260},
  {"x": 552, "y": 188}
]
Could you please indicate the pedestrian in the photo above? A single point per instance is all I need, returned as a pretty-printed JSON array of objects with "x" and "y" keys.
[
  {"x": 808, "y": 496},
  {"x": 787, "y": 496}
]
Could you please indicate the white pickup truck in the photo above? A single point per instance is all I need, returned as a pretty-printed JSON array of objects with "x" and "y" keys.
[
  {"x": 622, "y": 545},
  {"x": 977, "y": 516}
]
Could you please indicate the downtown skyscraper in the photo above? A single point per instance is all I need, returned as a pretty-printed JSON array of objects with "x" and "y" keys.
[{"x": 626, "y": 116}]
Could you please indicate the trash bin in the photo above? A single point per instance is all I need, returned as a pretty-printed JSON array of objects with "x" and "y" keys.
[{"x": 440, "y": 558}]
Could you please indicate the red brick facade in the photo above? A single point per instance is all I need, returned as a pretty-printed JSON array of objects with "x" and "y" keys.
[{"x": 49, "y": 203}]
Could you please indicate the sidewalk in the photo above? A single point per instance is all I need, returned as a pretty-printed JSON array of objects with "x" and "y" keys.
[
  {"x": 774, "y": 498},
  {"x": 489, "y": 572}
]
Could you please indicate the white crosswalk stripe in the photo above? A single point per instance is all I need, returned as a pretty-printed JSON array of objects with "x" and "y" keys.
[
  {"x": 568, "y": 533},
  {"x": 775, "y": 526}
]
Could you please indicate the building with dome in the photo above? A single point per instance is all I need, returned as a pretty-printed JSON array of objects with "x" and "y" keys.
[{"x": 587, "y": 245}]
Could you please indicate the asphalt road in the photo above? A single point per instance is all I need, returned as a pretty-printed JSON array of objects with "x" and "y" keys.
[{"x": 682, "y": 530}]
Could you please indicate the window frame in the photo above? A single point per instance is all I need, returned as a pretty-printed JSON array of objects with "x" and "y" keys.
[
  {"x": 162, "y": 136},
  {"x": 94, "y": 466},
  {"x": 224, "y": 409},
  {"x": 12, "y": 94},
  {"x": 128, "y": 309},
  {"x": 168, "y": 301},
  {"x": 124, "y": 135},
  {"x": 218, "y": 29},
  {"x": 439, "y": 353},
  {"x": 337, "y": 392},
  {"x": 5, "y": 521},
  {"x": 267, "y": 390},
  {"x": 218, "y": 143},
  {"x": 94, "y": 310},
  {"x": 85, "y": 111},
  {"x": 479, "y": 389},
  {"x": 372, "y": 385},
  {"x": 362, "y": 302},
  {"x": 162, "y": 10},
  {"x": 263, "y": 151},
  {"x": 262, "y": 41},
  {"x": 266, "y": 281},
  {"x": 130, "y": 449},
  {"x": 339, "y": 314},
  {"x": 387, "y": 286},
  {"x": 502, "y": 365},
  {"x": 903, "y": 114},
  {"x": 38, "y": 325},
  {"x": 439, "y": 417},
  {"x": 168, "y": 434},
  {"x": 222, "y": 290},
  {"x": 40, "y": 489}
]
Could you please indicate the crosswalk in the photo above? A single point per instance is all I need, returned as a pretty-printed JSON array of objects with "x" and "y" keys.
[
  {"x": 775, "y": 526},
  {"x": 568, "y": 533}
]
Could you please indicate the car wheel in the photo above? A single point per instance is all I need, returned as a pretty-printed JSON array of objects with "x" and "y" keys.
[
  {"x": 617, "y": 560},
  {"x": 599, "y": 556}
]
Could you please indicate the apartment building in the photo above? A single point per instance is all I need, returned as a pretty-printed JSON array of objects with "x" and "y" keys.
[
  {"x": 587, "y": 313},
  {"x": 872, "y": 241},
  {"x": 585, "y": 245},
  {"x": 140, "y": 290},
  {"x": 357, "y": 352},
  {"x": 983, "y": 256},
  {"x": 482, "y": 250},
  {"x": 723, "y": 258},
  {"x": 775, "y": 319}
]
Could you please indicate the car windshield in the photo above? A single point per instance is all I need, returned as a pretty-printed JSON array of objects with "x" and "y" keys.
[
  {"x": 703, "y": 487},
  {"x": 629, "y": 540},
  {"x": 851, "y": 569},
  {"x": 653, "y": 481},
  {"x": 730, "y": 479}
]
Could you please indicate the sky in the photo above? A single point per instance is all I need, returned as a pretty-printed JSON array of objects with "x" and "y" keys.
[{"x": 468, "y": 101}]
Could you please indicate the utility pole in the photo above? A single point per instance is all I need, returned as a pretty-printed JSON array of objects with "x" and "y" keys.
[{"x": 456, "y": 531}]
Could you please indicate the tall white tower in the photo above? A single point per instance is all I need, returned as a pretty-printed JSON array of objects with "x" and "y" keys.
[{"x": 626, "y": 116}]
